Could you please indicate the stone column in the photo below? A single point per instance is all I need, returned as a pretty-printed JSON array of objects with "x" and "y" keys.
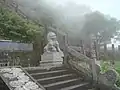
[
  {"x": 118, "y": 48},
  {"x": 93, "y": 41},
  {"x": 113, "y": 54},
  {"x": 105, "y": 51},
  {"x": 82, "y": 47},
  {"x": 65, "y": 49}
]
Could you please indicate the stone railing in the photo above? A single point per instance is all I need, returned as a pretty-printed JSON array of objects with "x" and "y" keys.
[
  {"x": 80, "y": 62},
  {"x": 107, "y": 80},
  {"x": 83, "y": 65}
]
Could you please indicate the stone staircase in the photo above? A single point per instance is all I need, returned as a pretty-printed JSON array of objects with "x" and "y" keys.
[{"x": 59, "y": 78}]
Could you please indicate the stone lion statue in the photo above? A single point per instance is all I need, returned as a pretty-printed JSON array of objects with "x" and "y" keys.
[{"x": 53, "y": 45}]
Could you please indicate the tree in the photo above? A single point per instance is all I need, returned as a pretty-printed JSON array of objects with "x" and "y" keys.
[
  {"x": 97, "y": 22},
  {"x": 13, "y": 27}
]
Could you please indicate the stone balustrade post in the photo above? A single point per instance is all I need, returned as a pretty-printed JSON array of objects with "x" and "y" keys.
[
  {"x": 65, "y": 48},
  {"x": 82, "y": 47},
  {"x": 113, "y": 54},
  {"x": 93, "y": 54}
]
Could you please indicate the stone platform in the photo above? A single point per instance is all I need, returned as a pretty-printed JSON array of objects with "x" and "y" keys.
[{"x": 51, "y": 59}]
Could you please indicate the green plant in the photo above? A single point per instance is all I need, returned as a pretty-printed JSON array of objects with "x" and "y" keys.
[
  {"x": 118, "y": 82},
  {"x": 105, "y": 65},
  {"x": 14, "y": 27}
]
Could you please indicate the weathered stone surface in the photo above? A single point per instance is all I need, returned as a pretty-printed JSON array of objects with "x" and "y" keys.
[
  {"x": 78, "y": 55},
  {"x": 98, "y": 69},
  {"x": 80, "y": 62},
  {"x": 91, "y": 89},
  {"x": 109, "y": 78},
  {"x": 17, "y": 79},
  {"x": 81, "y": 67},
  {"x": 51, "y": 58}
]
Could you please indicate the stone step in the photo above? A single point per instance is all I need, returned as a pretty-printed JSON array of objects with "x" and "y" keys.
[
  {"x": 49, "y": 78},
  {"x": 52, "y": 64},
  {"x": 58, "y": 78},
  {"x": 62, "y": 84},
  {"x": 62, "y": 78},
  {"x": 75, "y": 87},
  {"x": 31, "y": 70},
  {"x": 50, "y": 74},
  {"x": 50, "y": 61}
]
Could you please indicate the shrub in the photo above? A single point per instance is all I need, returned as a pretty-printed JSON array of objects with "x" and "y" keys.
[{"x": 105, "y": 65}]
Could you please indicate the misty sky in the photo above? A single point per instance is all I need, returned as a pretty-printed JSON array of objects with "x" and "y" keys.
[{"x": 109, "y": 7}]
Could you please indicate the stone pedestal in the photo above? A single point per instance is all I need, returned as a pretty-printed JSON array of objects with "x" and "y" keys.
[{"x": 51, "y": 59}]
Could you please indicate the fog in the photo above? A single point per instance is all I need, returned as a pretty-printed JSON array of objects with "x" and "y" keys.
[
  {"x": 67, "y": 15},
  {"x": 64, "y": 14}
]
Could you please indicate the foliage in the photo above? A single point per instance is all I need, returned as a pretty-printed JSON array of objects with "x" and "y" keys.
[
  {"x": 14, "y": 27},
  {"x": 105, "y": 66},
  {"x": 118, "y": 82},
  {"x": 97, "y": 22},
  {"x": 118, "y": 69}
]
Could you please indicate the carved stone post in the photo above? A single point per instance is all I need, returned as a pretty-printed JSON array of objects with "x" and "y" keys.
[
  {"x": 113, "y": 54},
  {"x": 93, "y": 41},
  {"x": 16, "y": 6},
  {"x": 45, "y": 33},
  {"x": 105, "y": 51},
  {"x": 82, "y": 47},
  {"x": 118, "y": 48},
  {"x": 65, "y": 49},
  {"x": 97, "y": 48}
]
